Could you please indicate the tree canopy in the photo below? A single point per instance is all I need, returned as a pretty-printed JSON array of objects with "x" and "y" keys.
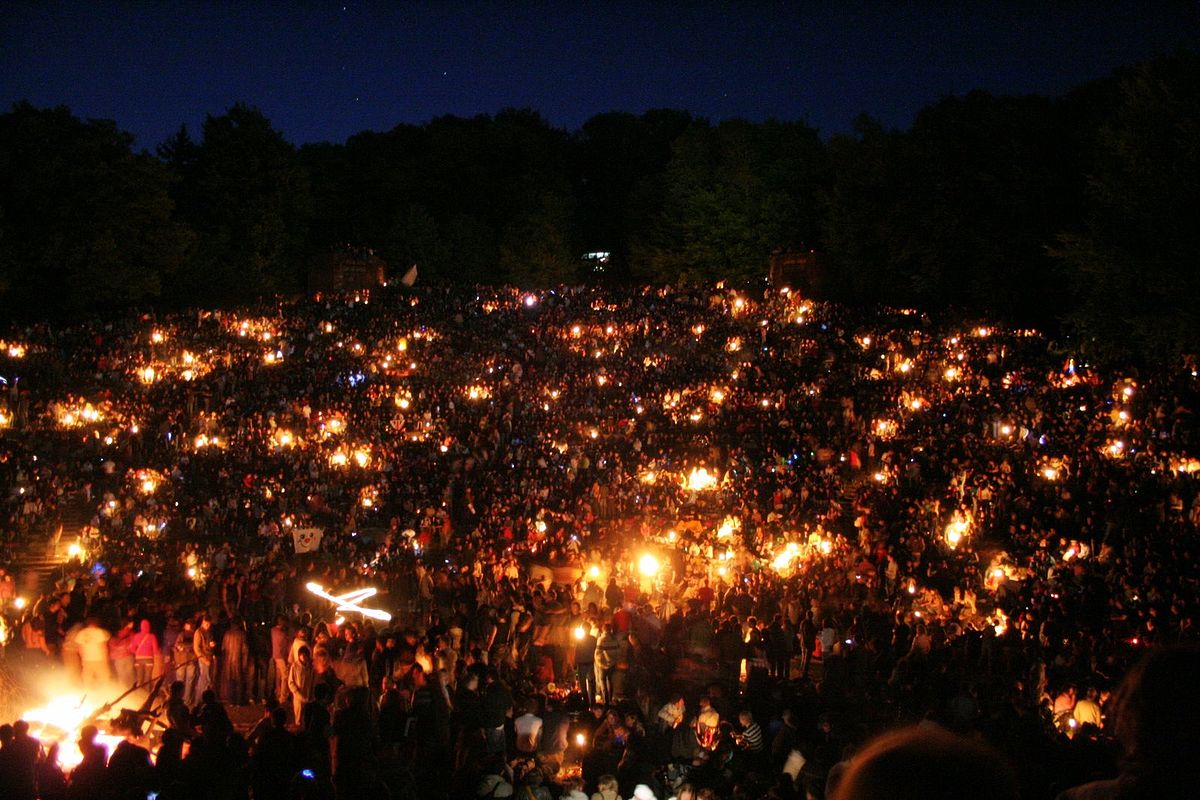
[{"x": 1075, "y": 211}]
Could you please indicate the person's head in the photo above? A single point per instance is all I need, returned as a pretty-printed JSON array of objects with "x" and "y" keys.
[
  {"x": 304, "y": 655},
  {"x": 1158, "y": 702},
  {"x": 607, "y": 783},
  {"x": 924, "y": 762},
  {"x": 279, "y": 717}
]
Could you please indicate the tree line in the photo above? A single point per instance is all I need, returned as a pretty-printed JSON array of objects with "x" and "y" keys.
[{"x": 1076, "y": 213}]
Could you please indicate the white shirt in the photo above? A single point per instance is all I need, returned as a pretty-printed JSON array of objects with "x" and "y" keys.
[
  {"x": 92, "y": 642},
  {"x": 529, "y": 730}
]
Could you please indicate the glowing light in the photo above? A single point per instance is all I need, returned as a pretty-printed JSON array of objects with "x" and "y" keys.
[
  {"x": 20, "y": 603},
  {"x": 594, "y": 571},
  {"x": 717, "y": 396},
  {"x": 912, "y": 587},
  {"x": 783, "y": 560},
  {"x": 158, "y": 337},
  {"x": 351, "y": 601},
  {"x": 733, "y": 345},
  {"x": 362, "y": 457},
  {"x": 886, "y": 428},
  {"x": 904, "y": 366},
  {"x": 700, "y": 480},
  {"x": 149, "y": 485},
  {"x": 728, "y": 526},
  {"x": 952, "y": 374},
  {"x": 648, "y": 565},
  {"x": 74, "y": 551},
  {"x": 958, "y": 528},
  {"x": 59, "y": 721},
  {"x": 147, "y": 375},
  {"x": 579, "y": 633},
  {"x": 580, "y": 739},
  {"x": 284, "y": 438},
  {"x": 530, "y": 300},
  {"x": 1050, "y": 473}
]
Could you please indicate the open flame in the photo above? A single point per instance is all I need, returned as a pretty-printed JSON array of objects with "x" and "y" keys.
[{"x": 60, "y": 720}]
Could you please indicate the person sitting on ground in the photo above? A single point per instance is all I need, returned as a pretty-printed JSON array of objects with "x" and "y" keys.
[{"x": 1155, "y": 708}]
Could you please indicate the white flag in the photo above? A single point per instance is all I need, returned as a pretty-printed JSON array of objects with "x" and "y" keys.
[
  {"x": 410, "y": 277},
  {"x": 306, "y": 540}
]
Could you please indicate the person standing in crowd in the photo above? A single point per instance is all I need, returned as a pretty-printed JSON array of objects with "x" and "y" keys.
[
  {"x": 183, "y": 661},
  {"x": 585, "y": 659},
  {"x": 235, "y": 663},
  {"x": 301, "y": 681},
  {"x": 204, "y": 650},
  {"x": 607, "y": 657},
  {"x": 122, "y": 656},
  {"x": 281, "y": 640},
  {"x": 92, "y": 641},
  {"x": 147, "y": 656}
]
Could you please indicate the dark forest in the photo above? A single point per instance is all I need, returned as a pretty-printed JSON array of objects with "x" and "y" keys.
[{"x": 1077, "y": 214}]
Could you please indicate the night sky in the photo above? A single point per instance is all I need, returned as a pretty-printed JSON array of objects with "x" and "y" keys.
[{"x": 323, "y": 71}]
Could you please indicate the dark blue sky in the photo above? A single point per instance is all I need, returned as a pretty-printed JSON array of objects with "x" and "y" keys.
[{"x": 323, "y": 71}]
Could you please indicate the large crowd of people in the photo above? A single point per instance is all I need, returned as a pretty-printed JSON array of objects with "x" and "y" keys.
[{"x": 628, "y": 543}]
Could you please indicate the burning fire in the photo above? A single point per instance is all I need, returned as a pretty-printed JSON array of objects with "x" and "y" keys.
[
  {"x": 958, "y": 528},
  {"x": 60, "y": 720},
  {"x": 700, "y": 480}
]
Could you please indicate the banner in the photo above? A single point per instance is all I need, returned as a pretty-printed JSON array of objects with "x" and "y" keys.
[{"x": 307, "y": 540}]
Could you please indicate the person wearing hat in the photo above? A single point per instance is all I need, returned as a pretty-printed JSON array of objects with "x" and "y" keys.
[{"x": 643, "y": 792}]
